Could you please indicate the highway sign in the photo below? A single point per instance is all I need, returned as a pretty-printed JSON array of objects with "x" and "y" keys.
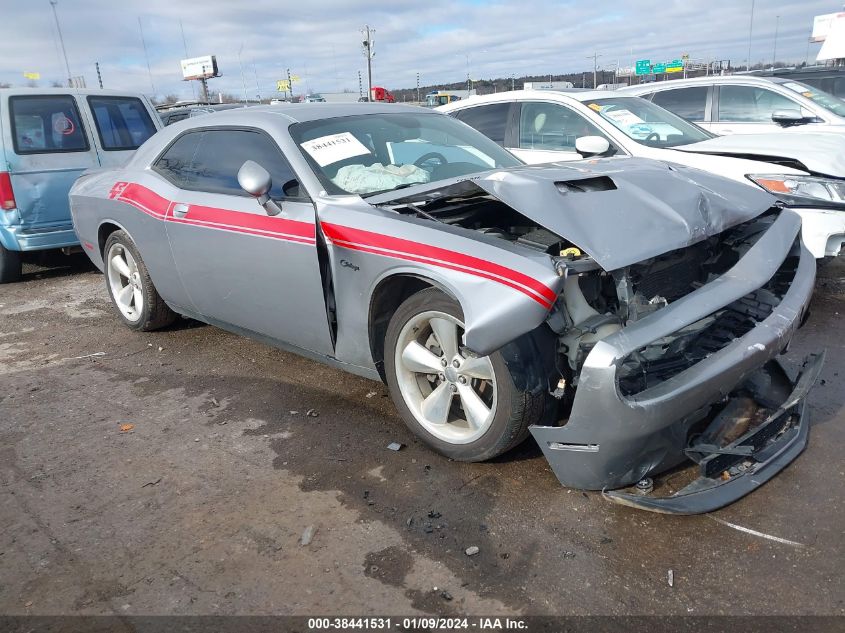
[{"x": 643, "y": 67}]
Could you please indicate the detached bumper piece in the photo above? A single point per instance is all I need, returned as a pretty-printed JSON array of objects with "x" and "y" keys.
[{"x": 762, "y": 428}]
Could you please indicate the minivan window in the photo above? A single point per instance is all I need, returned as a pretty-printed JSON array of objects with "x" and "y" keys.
[
  {"x": 209, "y": 160},
  {"x": 491, "y": 120},
  {"x": 123, "y": 123},
  {"x": 688, "y": 103},
  {"x": 46, "y": 124}
]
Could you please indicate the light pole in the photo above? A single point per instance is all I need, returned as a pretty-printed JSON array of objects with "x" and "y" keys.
[
  {"x": 418, "y": 87},
  {"x": 243, "y": 79},
  {"x": 595, "y": 58},
  {"x": 750, "y": 31},
  {"x": 368, "y": 53},
  {"x": 775, "y": 52},
  {"x": 53, "y": 4}
]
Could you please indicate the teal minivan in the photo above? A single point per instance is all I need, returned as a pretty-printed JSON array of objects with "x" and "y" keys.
[{"x": 48, "y": 137}]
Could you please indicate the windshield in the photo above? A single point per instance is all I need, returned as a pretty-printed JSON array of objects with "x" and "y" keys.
[
  {"x": 647, "y": 123},
  {"x": 376, "y": 153},
  {"x": 819, "y": 97}
]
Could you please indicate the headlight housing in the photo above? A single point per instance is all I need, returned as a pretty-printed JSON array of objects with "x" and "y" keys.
[{"x": 802, "y": 190}]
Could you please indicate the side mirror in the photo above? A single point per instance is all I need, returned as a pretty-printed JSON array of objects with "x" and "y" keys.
[
  {"x": 589, "y": 146},
  {"x": 787, "y": 117},
  {"x": 256, "y": 181}
]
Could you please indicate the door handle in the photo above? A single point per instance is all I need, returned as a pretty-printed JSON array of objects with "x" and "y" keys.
[{"x": 180, "y": 210}]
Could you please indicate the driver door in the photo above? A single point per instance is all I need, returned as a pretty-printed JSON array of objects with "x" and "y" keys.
[{"x": 241, "y": 267}]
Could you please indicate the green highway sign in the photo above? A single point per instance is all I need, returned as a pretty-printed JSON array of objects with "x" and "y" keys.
[
  {"x": 643, "y": 67},
  {"x": 658, "y": 68}
]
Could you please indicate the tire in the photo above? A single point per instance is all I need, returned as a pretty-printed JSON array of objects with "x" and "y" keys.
[
  {"x": 413, "y": 356},
  {"x": 121, "y": 256},
  {"x": 10, "y": 265}
]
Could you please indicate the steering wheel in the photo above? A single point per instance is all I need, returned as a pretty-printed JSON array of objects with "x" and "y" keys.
[
  {"x": 654, "y": 136},
  {"x": 422, "y": 160}
]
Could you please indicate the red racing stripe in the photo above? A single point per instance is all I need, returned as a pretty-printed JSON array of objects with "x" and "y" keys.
[
  {"x": 151, "y": 203},
  {"x": 358, "y": 239}
]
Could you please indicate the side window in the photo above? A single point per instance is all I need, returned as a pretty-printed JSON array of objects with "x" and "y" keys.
[
  {"x": 687, "y": 103},
  {"x": 549, "y": 126},
  {"x": 209, "y": 160},
  {"x": 46, "y": 124},
  {"x": 747, "y": 104},
  {"x": 123, "y": 123},
  {"x": 491, "y": 120}
]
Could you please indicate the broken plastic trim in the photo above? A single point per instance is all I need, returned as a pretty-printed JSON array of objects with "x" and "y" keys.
[{"x": 774, "y": 444}]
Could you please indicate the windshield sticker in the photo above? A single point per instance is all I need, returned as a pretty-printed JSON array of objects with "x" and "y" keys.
[
  {"x": 333, "y": 148},
  {"x": 595, "y": 106},
  {"x": 622, "y": 117}
]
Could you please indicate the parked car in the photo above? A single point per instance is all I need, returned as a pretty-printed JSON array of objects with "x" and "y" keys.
[
  {"x": 829, "y": 79},
  {"x": 806, "y": 171},
  {"x": 747, "y": 104},
  {"x": 624, "y": 312},
  {"x": 315, "y": 98},
  {"x": 47, "y": 138}
]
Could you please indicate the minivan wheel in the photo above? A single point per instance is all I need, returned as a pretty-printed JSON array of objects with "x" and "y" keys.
[
  {"x": 10, "y": 265},
  {"x": 465, "y": 407},
  {"x": 131, "y": 290}
]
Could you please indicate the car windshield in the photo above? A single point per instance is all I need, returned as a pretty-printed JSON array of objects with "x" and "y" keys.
[
  {"x": 377, "y": 153},
  {"x": 647, "y": 123},
  {"x": 819, "y": 97}
]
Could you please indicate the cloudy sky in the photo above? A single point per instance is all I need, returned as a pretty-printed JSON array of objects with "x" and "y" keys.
[{"x": 319, "y": 40}]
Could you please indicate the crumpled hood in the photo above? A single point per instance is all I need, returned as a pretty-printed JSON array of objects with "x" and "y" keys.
[
  {"x": 652, "y": 207},
  {"x": 820, "y": 153}
]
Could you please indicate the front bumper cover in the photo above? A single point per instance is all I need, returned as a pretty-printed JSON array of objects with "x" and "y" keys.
[
  {"x": 611, "y": 441},
  {"x": 729, "y": 472}
]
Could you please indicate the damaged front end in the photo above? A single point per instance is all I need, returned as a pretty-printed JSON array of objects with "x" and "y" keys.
[
  {"x": 671, "y": 360},
  {"x": 680, "y": 289}
]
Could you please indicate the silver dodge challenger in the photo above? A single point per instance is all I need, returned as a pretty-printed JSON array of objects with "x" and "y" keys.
[{"x": 625, "y": 312}]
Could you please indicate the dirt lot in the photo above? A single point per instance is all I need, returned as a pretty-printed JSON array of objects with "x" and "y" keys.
[{"x": 199, "y": 508}]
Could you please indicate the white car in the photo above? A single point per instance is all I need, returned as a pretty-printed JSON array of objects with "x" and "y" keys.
[
  {"x": 747, "y": 104},
  {"x": 806, "y": 171}
]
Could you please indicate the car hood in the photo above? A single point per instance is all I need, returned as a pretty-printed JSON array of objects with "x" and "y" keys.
[
  {"x": 618, "y": 211},
  {"x": 819, "y": 153}
]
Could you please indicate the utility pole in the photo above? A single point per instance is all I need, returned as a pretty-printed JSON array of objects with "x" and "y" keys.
[
  {"x": 418, "y": 87},
  {"x": 360, "y": 86},
  {"x": 290, "y": 85},
  {"x": 53, "y": 4},
  {"x": 368, "y": 53},
  {"x": 99, "y": 76},
  {"x": 595, "y": 58},
  {"x": 775, "y": 52},
  {"x": 750, "y": 31}
]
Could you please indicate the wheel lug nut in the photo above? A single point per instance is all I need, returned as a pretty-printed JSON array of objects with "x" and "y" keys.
[
  {"x": 453, "y": 388},
  {"x": 456, "y": 363},
  {"x": 443, "y": 362},
  {"x": 441, "y": 376},
  {"x": 462, "y": 380}
]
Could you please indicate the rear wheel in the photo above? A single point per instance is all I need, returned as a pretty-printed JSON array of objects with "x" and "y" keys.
[
  {"x": 130, "y": 287},
  {"x": 10, "y": 265},
  {"x": 464, "y": 407}
]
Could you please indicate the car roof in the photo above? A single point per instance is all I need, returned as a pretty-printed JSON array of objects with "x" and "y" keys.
[
  {"x": 577, "y": 94},
  {"x": 712, "y": 79},
  {"x": 302, "y": 112}
]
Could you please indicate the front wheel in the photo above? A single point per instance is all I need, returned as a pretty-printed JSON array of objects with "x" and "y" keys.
[
  {"x": 131, "y": 290},
  {"x": 465, "y": 407}
]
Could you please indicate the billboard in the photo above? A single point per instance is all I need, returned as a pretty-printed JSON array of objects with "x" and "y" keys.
[
  {"x": 822, "y": 25},
  {"x": 199, "y": 67}
]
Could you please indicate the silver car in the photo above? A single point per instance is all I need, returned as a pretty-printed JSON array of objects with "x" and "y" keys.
[{"x": 623, "y": 311}]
